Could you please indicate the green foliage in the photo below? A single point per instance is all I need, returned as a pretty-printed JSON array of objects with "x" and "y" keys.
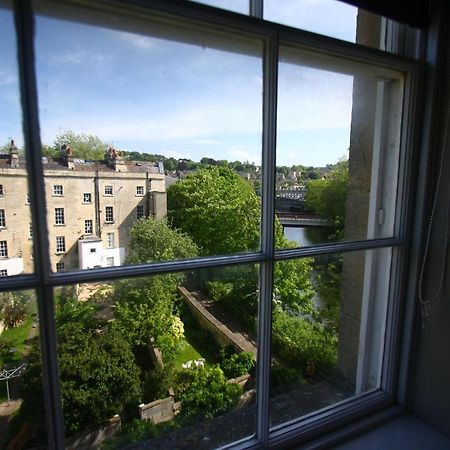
[
  {"x": 238, "y": 364},
  {"x": 153, "y": 240},
  {"x": 85, "y": 146},
  {"x": 285, "y": 377},
  {"x": 204, "y": 393},
  {"x": 300, "y": 342},
  {"x": 98, "y": 375},
  {"x": 328, "y": 196},
  {"x": 218, "y": 209},
  {"x": 14, "y": 307},
  {"x": 157, "y": 382},
  {"x": 133, "y": 432}
]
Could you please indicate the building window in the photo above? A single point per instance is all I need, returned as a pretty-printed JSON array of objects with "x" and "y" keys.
[
  {"x": 60, "y": 244},
  {"x": 109, "y": 214},
  {"x": 60, "y": 267},
  {"x": 3, "y": 272},
  {"x": 27, "y": 199},
  {"x": 110, "y": 240},
  {"x": 108, "y": 190},
  {"x": 93, "y": 250},
  {"x": 88, "y": 227},
  {"x": 59, "y": 216},
  {"x": 2, "y": 218},
  {"x": 2, "y": 190},
  {"x": 3, "y": 249},
  {"x": 140, "y": 211},
  {"x": 58, "y": 190},
  {"x": 87, "y": 197},
  {"x": 110, "y": 261},
  {"x": 140, "y": 190},
  {"x": 30, "y": 231}
]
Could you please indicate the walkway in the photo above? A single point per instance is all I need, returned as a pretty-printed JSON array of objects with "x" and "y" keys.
[{"x": 221, "y": 321}]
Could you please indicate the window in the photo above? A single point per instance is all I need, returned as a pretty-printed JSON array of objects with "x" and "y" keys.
[
  {"x": 110, "y": 240},
  {"x": 3, "y": 249},
  {"x": 140, "y": 211},
  {"x": 110, "y": 261},
  {"x": 58, "y": 190},
  {"x": 2, "y": 190},
  {"x": 2, "y": 218},
  {"x": 88, "y": 227},
  {"x": 359, "y": 260},
  {"x": 60, "y": 267},
  {"x": 59, "y": 216},
  {"x": 60, "y": 244},
  {"x": 87, "y": 197},
  {"x": 3, "y": 272},
  {"x": 93, "y": 250},
  {"x": 30, "y": 231},
  {"x": 109, "y": 214},
  {"x": 27, "y": 199},
  {"x": 139, "y": 190}
]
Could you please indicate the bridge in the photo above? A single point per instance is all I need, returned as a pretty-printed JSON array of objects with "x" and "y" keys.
[{"x": 302, "y": 219}]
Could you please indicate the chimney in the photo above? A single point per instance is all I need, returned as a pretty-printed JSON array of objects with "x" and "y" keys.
[
  {"x": 114, "y": 159},
  {"x": 67, "y": 156},
  {"x": 13, "y": 156}
]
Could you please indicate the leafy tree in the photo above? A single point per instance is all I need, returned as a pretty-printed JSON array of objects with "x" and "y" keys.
[
  {"x": 218, "y": 209},
  {"x": 327, "y": 196},
  {"x": 238, "y": 364},
  {"x": 98, "y": 375},
  {"x": 204, "y": 393},
  {"x": 86, "y": 146},
  {"x": 14, "y": 308}
]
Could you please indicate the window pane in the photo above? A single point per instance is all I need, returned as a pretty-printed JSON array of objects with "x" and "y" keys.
[
  {"x": 338, "y": 149},
  {"x": 16, "y": 247},
  {"x": 21, "y": 390},
  {"x": 239, "y": 6},
  {"x": 165, "y": 121},
  {"x": 328, "y": 331},
  {"x": 164, "y": 353}
]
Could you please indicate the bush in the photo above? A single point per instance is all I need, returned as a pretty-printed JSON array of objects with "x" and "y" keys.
[{"x": 238, "y": 364}]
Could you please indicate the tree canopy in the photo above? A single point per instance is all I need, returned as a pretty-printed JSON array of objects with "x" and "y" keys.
[{"x": 218, "y": 209}]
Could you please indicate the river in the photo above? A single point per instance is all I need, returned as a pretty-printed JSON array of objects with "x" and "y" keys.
[{"x": 306, "y": 236}]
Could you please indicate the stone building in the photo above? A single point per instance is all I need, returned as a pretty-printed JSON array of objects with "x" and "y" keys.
[{"x": 91, "y": 206}]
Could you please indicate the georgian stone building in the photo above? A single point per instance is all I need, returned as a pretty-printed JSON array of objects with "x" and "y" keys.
[{"x": 91, "y": 206}]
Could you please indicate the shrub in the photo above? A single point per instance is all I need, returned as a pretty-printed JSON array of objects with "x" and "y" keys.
[{"x": 238, "y": 364}]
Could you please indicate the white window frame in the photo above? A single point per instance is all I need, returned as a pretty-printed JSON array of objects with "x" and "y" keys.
[
  {"x": 140, "y": 211},
  {"x": 3, "y": 272},
  {"x": 272, "y": 36},
  {"x": 3, "y": 249},
  {"x": 109, "y": 214},
  {"x": 139, "y": 191},
  {"x": 60, "y": 244},
  {"x": 58, "y": 190},
  {"x": 88, "y": 226},
  {"x": 109, "y": 191},
  {"x": 110, "y": 261},
  {"x": 110, "y": 240},
  {"x": 60, "y": 267},
  {"x": 87, "y": 197},
  {"x": 2, "y": 190},
  {"x": 60, "y": 218},
  {"x": 2, "y": 218}
]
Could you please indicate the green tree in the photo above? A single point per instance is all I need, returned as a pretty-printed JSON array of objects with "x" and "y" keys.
[
  {"x": 218, "y": 209},
  {"x": 327, "y": 196},
  {"x": 14, "y": 308},
  {"x": 85, "y": 146}
]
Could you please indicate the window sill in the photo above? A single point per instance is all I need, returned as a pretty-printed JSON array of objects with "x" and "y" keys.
[{"x": 59, "y": 225}]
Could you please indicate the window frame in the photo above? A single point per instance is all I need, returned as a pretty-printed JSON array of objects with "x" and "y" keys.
[
  {"x": 60, "y": 219},
  {"x": 4, "y": 249},
  {"x": 58, "y": 190},
  {"x": 2, "y": 218},
  {"x": 60, "y": 244},
  {"x": 44, "y": 280},
  {"x": 108, "y": 190},
  {"x": 139, "y": 191},
  {"x": 110, "y": 240},
  {"x": 85, "y": 194},
  {"x": 3, "y": 273},
  {"x": 109, "y": 214},
  {"x": 140, "y": 212},
  {"x": 88, "y": 225}
]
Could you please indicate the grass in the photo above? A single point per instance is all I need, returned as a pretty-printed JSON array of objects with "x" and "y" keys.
[
  {"x": 17, "y": 337},
  {"x": 185, "y": 352}
]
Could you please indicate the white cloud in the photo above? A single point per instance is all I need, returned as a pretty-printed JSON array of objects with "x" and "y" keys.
[
  {"x": 139, "y": 41},
  {"x": 7, "y": 78}
]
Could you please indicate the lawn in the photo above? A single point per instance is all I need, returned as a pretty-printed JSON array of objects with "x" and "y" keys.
[
  {"x": 17, "y": 337},
  {"x": 185, "y": 352}
]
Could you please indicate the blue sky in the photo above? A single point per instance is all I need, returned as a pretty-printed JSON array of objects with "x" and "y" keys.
[{"x": 184, "y": 100}]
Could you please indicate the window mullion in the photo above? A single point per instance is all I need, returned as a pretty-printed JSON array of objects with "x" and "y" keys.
[
  {"x": 24, "y": 29},
  {"x": 270, "y": 72}
]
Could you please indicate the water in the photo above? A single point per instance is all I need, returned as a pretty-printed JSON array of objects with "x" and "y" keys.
[{"x": 305, "y": 236}]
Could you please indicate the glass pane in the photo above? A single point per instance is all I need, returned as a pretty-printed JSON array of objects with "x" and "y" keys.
[
  {"x": 338, "y": 149},
  {"x": 239, "y": 6},
  {"x": 22, "y": 410},
  {"x": 327, "y": 331},
  {"x": 148, "y": 359},
  {"x": 161, "y": 124},
  {"x": 16, "y": 233}
]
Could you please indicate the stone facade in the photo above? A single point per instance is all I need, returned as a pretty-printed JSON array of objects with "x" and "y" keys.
[{"x": 90, "y": 209}]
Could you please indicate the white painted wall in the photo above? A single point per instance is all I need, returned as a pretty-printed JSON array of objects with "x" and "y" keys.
[{"x": 14, "y": 266}]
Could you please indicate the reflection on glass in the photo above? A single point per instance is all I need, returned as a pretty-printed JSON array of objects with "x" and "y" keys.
[
  {"x": 151, "y": 356},
  {"x": 335, "y": 180},
  {"x": 146, "y": 119},
  {"x": 21, "y": 391},
  {"x": 16, "y": 245},
  {"x": 327, "y": 331},
  {"x": 239, "y": 6}
]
